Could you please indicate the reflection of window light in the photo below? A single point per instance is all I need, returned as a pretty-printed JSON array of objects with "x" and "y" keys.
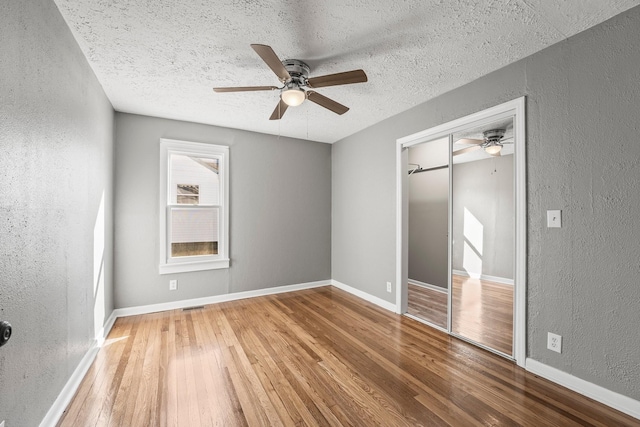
[
  {"x": 473, "y": 232},
  {"x": 471, "y": 262}
]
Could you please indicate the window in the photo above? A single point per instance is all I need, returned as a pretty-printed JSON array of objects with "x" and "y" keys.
[{"x": 194, "y": 206}]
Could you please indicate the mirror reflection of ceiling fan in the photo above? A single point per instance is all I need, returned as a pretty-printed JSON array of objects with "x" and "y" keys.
[
  {"x": 492, "y": 142},
  {"x": 297, "y": 85}
]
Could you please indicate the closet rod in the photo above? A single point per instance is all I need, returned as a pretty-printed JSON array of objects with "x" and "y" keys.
[{"x": 419, "y": 169}]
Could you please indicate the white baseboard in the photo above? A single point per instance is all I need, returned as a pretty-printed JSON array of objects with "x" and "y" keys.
[
  {"x": 427, "y": 285},
  {"x": 153, "y": 308},
  {"x": 610, "y": 398},
  {"x": 502, "y": 280},
  {"x": 69, "y": 389},
  {"x": 102, "y": 335},
  {"x": 365, "y": 296}
]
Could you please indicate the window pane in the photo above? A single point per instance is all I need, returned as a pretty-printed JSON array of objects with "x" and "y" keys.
[
  {"x": 194, "y": 231},
  {"x": 194, "y": 180}
]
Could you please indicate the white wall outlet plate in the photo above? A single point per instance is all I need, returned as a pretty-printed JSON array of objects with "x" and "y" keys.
[
  {"x": 173, "y": 285},
  {"x": 554, "y": 342},
  {"x": 554, "y": 219},
  {"x": 388, "y": 286}
]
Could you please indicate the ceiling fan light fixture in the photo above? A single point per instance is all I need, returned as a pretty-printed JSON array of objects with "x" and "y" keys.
[
  {"x": 293, "y": 96},
  {"x": 493, "y": 149}
]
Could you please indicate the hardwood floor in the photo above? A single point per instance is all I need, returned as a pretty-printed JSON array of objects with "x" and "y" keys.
[
  {"x": 481, "y": 310},
  {"x": 427, "y": 304},
  {"x": 318, "y": 357}
]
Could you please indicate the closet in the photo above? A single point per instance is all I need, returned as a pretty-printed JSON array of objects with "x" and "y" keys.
[{"x": 461, "y": 255}]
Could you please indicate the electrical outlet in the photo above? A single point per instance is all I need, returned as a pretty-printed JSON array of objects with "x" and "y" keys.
[
  {"x": 388, "y": 286},
  {"x": 554, "y": 342},
  {"x": 173, "y": 285}
]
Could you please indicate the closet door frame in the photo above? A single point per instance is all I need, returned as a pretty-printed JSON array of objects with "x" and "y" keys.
[{"x": 515, "y": 109}]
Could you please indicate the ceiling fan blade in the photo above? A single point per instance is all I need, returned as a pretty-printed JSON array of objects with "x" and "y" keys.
[
  {"x": 243, "y": 89},
  {"x": 507, "y": 140},
  {"x": 466, "y": 150},
  {"x": 279, "y": 111},
  {"x": 469, "y": 141},
  {"x": 271, "y": 59},
  {"x": 346, "y": 78},
  {"x": 327, "y": 103}
]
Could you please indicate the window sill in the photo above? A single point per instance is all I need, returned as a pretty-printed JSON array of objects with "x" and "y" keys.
[{"x": 185, "y": 267}]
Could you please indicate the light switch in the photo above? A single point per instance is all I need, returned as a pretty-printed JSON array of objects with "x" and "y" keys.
[{"x": 554, "y": 219}]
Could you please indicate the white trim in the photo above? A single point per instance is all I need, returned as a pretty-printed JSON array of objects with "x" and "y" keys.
[
  {"x": 104, "y": 331},
  {"x": 400, "y": 169},
  {"x": 497, "y": 279},
  {"x": 365, "y": 296},
  {"x": 153, "y": 308},
  {"x": 449, "y": 240},
  {"x": 605, "y": 396},
  {"x": 69, "y": 390},
  {"x": 487, "y": 115},
  {"x": 520, "y": 266},
  {"x": 185, "y": 267},
  {"x": 428, "y": 286}
]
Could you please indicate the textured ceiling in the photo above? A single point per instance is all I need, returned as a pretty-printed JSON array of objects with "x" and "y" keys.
[{"x": 162, "y": 58}]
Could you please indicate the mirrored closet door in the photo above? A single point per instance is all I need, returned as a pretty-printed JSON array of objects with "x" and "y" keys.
[
  {"x": 483, "y": 225},
  {"x": 428, "y": 182},
  {"x": 462, "y": 227}
]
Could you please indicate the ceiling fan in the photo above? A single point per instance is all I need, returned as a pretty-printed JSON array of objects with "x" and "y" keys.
[
  {"x": 492, "y": 142},
  {"x": 297, "y": 85}
]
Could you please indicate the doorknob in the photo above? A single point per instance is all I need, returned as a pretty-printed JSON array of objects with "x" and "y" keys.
[{"x": 5, "y": 332}]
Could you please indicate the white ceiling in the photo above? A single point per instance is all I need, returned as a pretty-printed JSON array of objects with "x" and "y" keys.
[{"x": 162, "y": 58}]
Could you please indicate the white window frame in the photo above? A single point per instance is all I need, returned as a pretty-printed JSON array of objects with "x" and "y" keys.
[{"x": 170, "y": 264}]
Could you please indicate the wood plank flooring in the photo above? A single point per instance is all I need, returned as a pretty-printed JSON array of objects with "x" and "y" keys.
[
  {"x": 318, "y": 357},
  {"x": 427, "y": 304},
  {"x": 481, "y": 310}
]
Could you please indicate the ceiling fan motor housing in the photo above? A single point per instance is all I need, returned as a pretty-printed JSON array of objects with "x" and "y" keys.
[
  {"x": 298, "y": 70},
  {"x": 493, "y": 135}
]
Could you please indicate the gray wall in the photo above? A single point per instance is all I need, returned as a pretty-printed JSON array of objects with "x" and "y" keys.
[
  {"x": 56, "y": 138},
  {"x": 582, "y": 157},
  {"x": 485, "y": 188},
  {"x": 280, "y": 212},
  {"x": 429, "y": 214}
]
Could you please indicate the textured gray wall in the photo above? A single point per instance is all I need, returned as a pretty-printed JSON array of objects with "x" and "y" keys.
[
  {"x": 280, "y": 212},
  {"x": 485, "y": 188},
  {"x": 56, "y": 137},
  {"x": 429, "y": 214},
  {"x": 583, "y": 157}
]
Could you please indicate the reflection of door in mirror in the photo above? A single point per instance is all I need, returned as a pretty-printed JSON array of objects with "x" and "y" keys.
[
  {"x": 483, "y": 224},
  {"x": 428, "y": 231}
]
